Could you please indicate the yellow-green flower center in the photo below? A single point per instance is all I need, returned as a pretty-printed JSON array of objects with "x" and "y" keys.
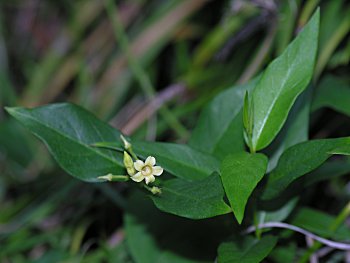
[{"x": 146, "y": 170}]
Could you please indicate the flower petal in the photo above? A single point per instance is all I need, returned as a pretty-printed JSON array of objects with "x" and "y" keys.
[
  {"x": 139, "y": 165},
  {"x": 157, "y": 170},
  {"x": 151, "y": 161},
  {"x": 149, "y": 179},
  {"x": 138, "y": 177}
]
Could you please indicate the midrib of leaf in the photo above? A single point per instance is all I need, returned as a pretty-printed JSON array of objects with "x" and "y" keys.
[
  {"x": 67, "y": 137},
  {"x": 191, "y": 197},
  {"x": 180, "y": 163},
  {"x": 195, "y": 168},
  {"x": 273, "y": 104}
]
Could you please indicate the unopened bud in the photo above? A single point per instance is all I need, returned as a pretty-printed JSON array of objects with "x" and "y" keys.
[
  {"x": 129, "y": 164},
  {"x": 156, "y": 190},
  {"x": 127, "y": 144}
]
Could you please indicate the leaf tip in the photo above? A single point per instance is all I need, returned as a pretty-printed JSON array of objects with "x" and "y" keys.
[
  {"x": 239, "y": 218},
  {"x": 10, "y": 110}
]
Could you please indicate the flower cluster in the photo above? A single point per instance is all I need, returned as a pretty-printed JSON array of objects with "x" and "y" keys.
[
  {"x": 140, "y": 170},
  {"x": 137, "y": 170}
]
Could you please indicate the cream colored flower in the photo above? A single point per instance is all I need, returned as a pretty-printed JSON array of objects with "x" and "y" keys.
[{"x": 146, "y": 170}]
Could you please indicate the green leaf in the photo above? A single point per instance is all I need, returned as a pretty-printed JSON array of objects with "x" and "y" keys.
[
  {"x": 281, "y": 83},
  {"x": 220, "y": 128},
  {"x": 327, "y": 171},
  {"x": 178, "y": 159},
  {"x": 240, "y": 174},
  {"x": 320, "y": 223},
  {"x": 301, "y": 159},
  {"x": 333, "y": 93},
  {"x": 246, "y": 249},
  {"x": 279, "y": 214},
  {"x": 295, "y": 130},
  {"x": 68, "y": 130},
  {"x": 195, "y": 200}
]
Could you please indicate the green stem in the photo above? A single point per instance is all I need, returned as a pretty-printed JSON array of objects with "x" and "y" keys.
[
  {"x": 133, "y": 155},
  {"x": 341, "y": 218},
  {"x": 114, "y": 178},
  {"x": 154, "y": 189}
]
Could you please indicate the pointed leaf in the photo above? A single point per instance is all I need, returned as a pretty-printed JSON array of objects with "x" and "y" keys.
[
  {"x": 240, "y": 174},
  {"x": 68, "y": 130},
  {"x": 281, "y": 83},
  {"x": 195, "y": 200},
  {"x": 301, "y": 159}
]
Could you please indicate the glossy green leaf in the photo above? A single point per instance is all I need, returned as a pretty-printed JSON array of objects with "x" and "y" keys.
[
  {"x": 195, "y": 200},
  {"x": 220, "y": 128},
  {"x": 177, "y": 159},
  {"x": 333, "y": 93},
  {"x": 240, "y": 174},
  {"x": 246, "y": 249},
  {"x": 281, "y": 83},
  {"x": 301, "y": 159},
  {"x": 320, "y": 223},
  {"x": 68, "y": 130}
]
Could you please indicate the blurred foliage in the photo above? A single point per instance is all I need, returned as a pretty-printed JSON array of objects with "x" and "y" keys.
[{"x": 148, "y": 73}]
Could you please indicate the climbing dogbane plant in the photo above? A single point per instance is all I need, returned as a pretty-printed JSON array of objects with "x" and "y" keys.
[{"x": 214, "y": 175}]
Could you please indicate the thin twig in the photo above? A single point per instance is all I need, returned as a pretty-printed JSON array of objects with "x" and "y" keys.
[
  {"x": 137, "y": 69},
  {"x": 150, "y": 108},
  {"x": 327, "y": 242}
]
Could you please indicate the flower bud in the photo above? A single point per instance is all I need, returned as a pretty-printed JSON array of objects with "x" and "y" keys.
[
  {"x": 127, "y": 144},
  {"x": 129, "y": 164},
  {"x": 156, "y": 190}
]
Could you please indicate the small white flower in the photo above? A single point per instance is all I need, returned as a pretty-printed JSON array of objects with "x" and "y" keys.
[{"x": 146, "y": 170}]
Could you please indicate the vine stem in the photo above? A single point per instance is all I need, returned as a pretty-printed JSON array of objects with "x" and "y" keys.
[{"x": 329, "y": 243}]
